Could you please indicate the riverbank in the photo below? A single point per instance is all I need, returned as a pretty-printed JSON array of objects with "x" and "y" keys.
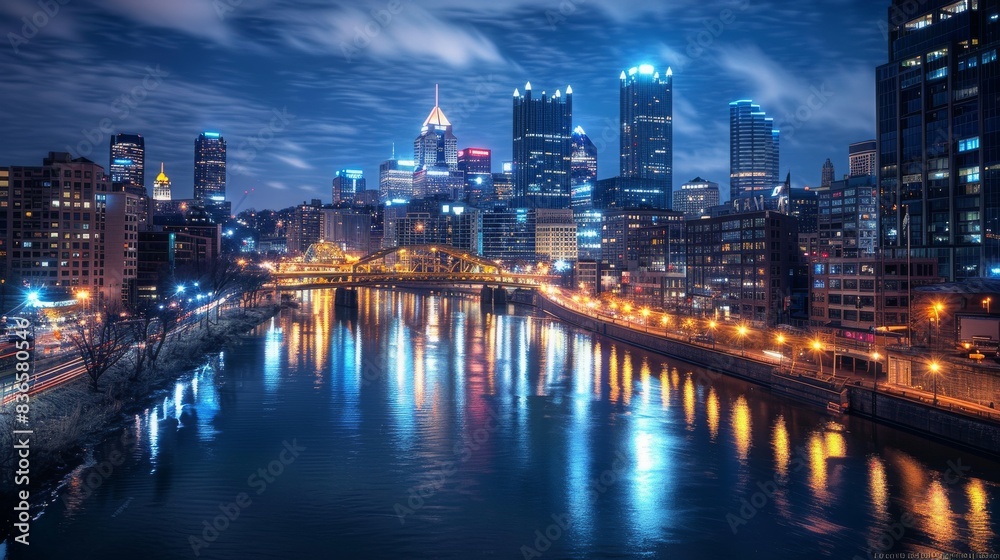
[
  {"x": 976, "y": 434},
  {"x": 66, "y": 418}
]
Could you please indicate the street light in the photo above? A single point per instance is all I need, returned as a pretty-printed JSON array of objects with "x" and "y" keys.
[
  {"x": 711, "y": 327},
  {"x": 935, "y": 367},
  {"x": 937, "y": 308},
  {"x": 817, "y": 347},
  {"x": 780, "y": 339},
  {"x": 742, "y": 332},
  {"x": 986, "y": 304},
  {"x": 875, "y": 358}
]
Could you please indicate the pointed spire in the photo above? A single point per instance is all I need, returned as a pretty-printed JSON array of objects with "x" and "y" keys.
[
  {"x": 622, "y": 77},
  {"x": 670, "y": 71},
  {"x": 517, "y": 93},
  {"x": 435, "y": 95},
  {"x": 569, "y": 90},
  {"x": 527, "y": 86},
  {"x": 393, "y": 150},
  {"x": 161, "y": 167},
  {"x": 558, "y": 93}
]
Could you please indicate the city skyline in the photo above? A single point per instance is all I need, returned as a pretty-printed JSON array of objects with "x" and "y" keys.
[{"x": 289, "y": 130}]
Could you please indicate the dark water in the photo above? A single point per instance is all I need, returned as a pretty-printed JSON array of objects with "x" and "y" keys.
[{"x": 421, "y": 427}]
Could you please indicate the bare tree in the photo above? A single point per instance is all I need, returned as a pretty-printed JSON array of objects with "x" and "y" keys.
[
  {"x": 250, "y": 282},
  {"x": 102, "y": 340}
]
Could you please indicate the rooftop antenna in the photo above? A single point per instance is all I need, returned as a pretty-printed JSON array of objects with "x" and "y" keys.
[
  {"x": 435, "y": 95},
  {"x": 393, "y": 150}
]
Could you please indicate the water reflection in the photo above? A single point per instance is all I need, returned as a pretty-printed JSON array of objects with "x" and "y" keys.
[{"x": 409, "y": 382}]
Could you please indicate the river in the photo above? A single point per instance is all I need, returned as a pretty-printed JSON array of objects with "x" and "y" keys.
[{"x": 420, "y": 426}]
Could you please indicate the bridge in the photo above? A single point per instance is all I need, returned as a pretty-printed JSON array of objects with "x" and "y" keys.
[{"x": 324, "y": 265}]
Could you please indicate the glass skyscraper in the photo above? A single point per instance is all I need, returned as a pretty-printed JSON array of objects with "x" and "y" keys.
[
  {"x": 938, "y": 125},
  {"x": 210, "y": 167},
  {"x": 583, "y": 170},
  {"x": 542, "y": 148},
  {"x": 647, "y": 125},
  {"x": 128, "y": 161},
  {"x": 753, "y": 151}
]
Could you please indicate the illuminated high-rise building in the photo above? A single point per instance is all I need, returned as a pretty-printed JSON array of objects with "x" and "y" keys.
[
  {"x": 161, "y": 187},
  {"x": 543, "y": 128},
  {"x": 347, "y": 185},
  {"x": 395, "y": 179},
  {"x": 435, "y": 154},
  {"x": 646, "y": 105},
  {"x": 476, "y": 165},
  {"x": 210, "y": 167},
  {"x": 128, "y": 161},
  {"x": 938, "y": 142},
  {"x": 862, "y": 156},
  {"x": 583, "y": 170},
  {"x": 753, "y": 151}
]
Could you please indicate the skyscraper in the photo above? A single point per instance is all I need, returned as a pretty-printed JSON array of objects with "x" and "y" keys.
[
  {"x": 753, "y": 151},
  {"x": 210, "y": 168},
  {"x": 862, "y": 158},
  {"x": 542, "y": 148},
  {"x": 696, "y": 197},
  {"x": 128, "y": 161},
  {"x": 347, "y": 184},
  {"x": 828, "y": 173},
  {"x": 161, "y": 187},
  {"x": 395, "y": 179},
  {"x": 583, "y": 170},
  {"x": 938, "y": 146},
  {"x": 646, "y": 104},
  {"x": 476, "y": 165},
  {"x": 435, "y": 153}
]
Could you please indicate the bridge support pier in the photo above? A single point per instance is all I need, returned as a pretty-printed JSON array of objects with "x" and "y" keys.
[
  {"x": 486, "y": 296},
  {"x": 499, "y": 296},
  {"x": 346, "y": 297}
]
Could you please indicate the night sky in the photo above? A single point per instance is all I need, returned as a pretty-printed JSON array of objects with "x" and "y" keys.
[{"x": 348, "y": 84}]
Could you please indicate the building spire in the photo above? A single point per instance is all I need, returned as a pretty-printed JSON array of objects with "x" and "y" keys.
[{"x": 435, "y": 95}]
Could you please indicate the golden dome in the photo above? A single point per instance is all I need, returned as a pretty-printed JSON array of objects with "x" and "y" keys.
[{"x": 162, "y": 177}]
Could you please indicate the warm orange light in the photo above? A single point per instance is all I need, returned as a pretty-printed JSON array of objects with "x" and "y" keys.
[
  {"x": 742, "y": 330},
  {"x": 780, "y": 338},
  {"x": 935, "y": 367},
  {"x": 817, "y": 345}
]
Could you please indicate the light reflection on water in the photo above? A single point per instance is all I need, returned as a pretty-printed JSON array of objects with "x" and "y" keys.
[{"x": 384, "y": 396}]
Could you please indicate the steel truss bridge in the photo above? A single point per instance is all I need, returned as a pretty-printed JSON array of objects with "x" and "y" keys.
[{"x": 324, "y": 266}]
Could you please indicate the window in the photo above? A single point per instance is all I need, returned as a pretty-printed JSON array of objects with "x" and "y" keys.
[{"x": 968, "y": 144}]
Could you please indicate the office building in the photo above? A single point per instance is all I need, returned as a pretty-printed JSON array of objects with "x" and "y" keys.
[
  {"x": 555, "y": 235},
  {"x": 503, "y": 184},
  {"x": 210, "y": 167},
  {"x": 620, "y": 240},
  {"x": 938, "y": 151},
  {"x": 305, "y": 227},
  {"x": 862, "y": 157},
  {"x": 829, "y": 175},
  {"x": 434, "y": 221},
  {"x": 803, "y": 205},
  {"x": 646, "y": 111},
  {"x": 161, "y": 186},
  {"x": 67, "y": 232},
  {"x": 588, "y": 233},
  {"x": 435, "y": 154},
  {"x": 695, "y": 197},
  {"x": 543, "y": 128},
  {"x": 753, "y": 151},
  {"x": 348, "y": 230},
  {"x": 395, "y": 180},
  {"x": 847, "y": 220},
  {"x": 128, "y": 161},
  {"x": 509, "y": 235},
  {"x": 583, "y": 170},
  {"x": 476, "y": 165},
  {"x": 347, "y": 183},
  {"x": 741, "y": 265}
]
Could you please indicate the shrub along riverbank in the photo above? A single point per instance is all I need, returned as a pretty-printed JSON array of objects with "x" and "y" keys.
[{"x": 67, "y": 418}]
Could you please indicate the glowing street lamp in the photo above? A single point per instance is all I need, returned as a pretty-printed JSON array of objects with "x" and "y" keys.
[
  {"x": 711, "y": 327},
  {"x": 986, "y": 304},
  {"x": 935, "y": 368},
  {"x": 937, "y": 308},
  {"x": 780, "y": 339},
  {"x": 817, "y": 347},
  {"x": 875, "y": 358},
  {"x": 742, "y": 331}
]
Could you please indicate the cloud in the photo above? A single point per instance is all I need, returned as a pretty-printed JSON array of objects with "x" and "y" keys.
[
  {"x": 294, "y": 161},
  {"x": 198, "y": 18}
]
